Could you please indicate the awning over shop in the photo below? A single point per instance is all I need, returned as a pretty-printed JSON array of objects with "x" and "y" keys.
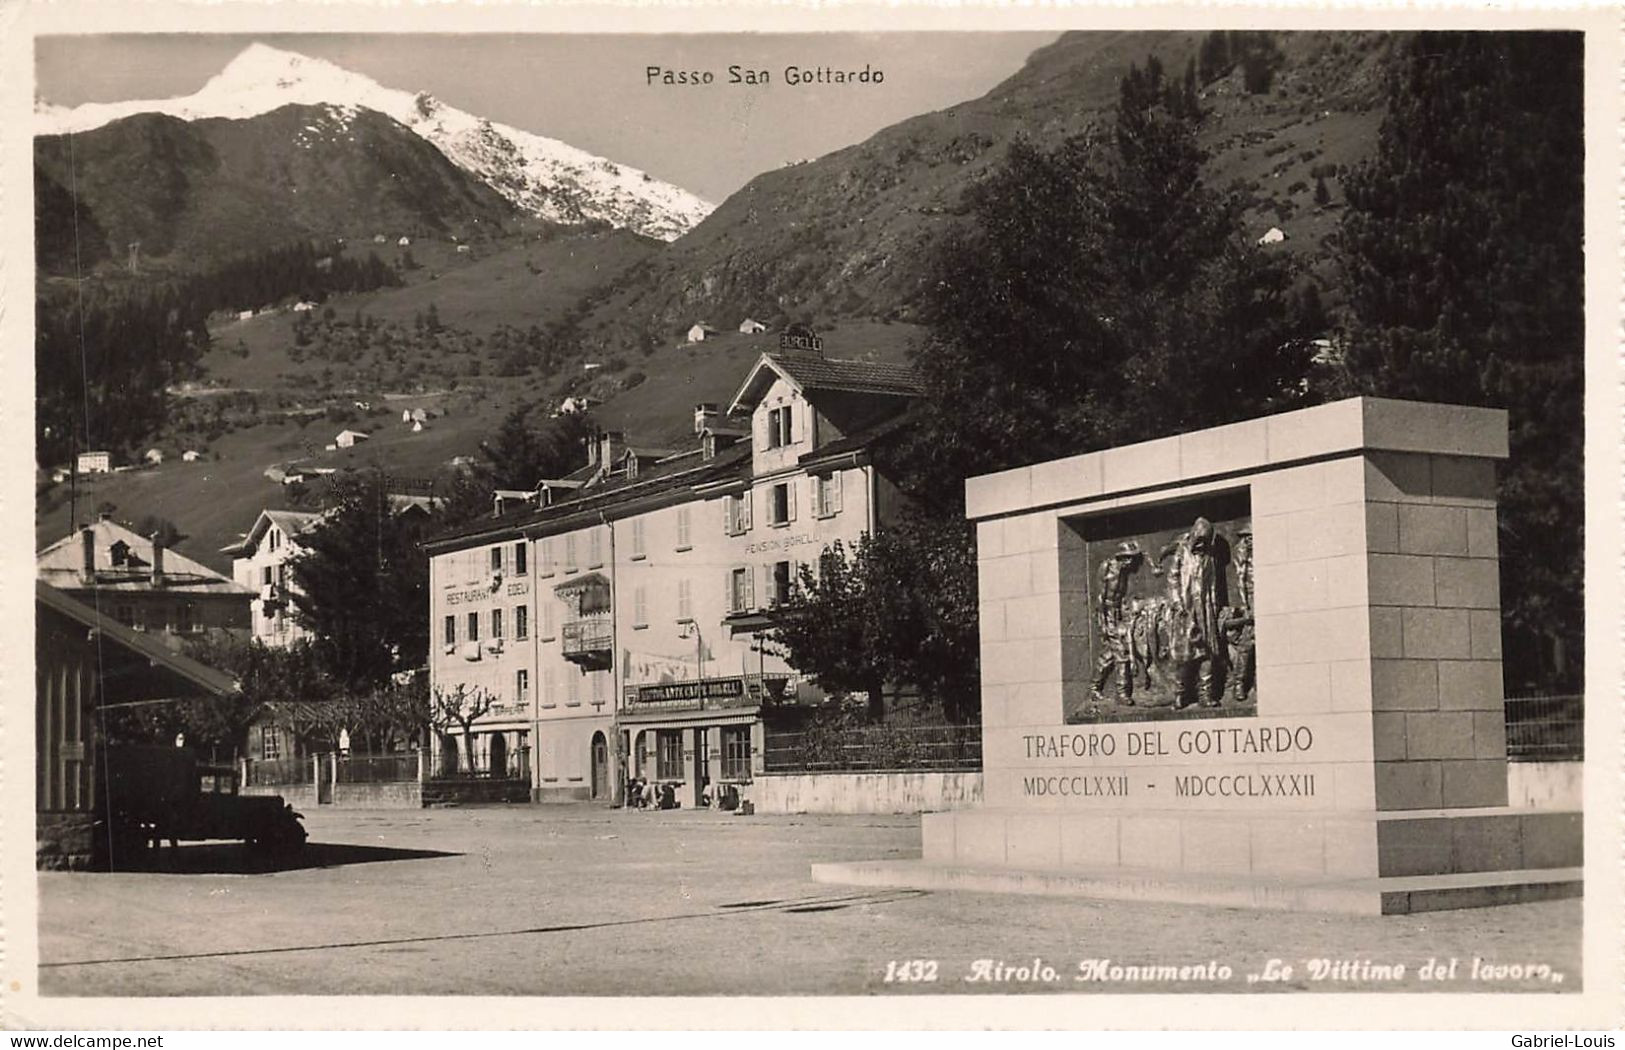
[{"x": 589, "y": 592}]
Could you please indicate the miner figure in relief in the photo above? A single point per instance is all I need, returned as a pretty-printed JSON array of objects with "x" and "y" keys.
[
  {"x": 1237, "y": 622},
  {"x": 1116, "y": 642},
  {"x": 1197, "y": 644}
]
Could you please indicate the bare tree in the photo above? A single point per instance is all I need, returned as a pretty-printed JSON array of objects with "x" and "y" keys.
[{"x": 462, "y": 707}]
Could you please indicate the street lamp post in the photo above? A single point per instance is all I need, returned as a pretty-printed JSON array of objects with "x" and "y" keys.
[{"x": 699, "y": 655}]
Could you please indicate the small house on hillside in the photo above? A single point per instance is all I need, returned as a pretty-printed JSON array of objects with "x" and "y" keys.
[
  {"x": 244, "y": 315},
  {"x": 462, "y": 249},
  {"x": 700, "y": 332},
  {"x": 419, "y": 415},
  {"x": 95, "y": 462},
  {"x": 404, "y": 242},
  {"x": 348, "y": 438},
  {"x": 751, "y": 326},
  {"x": 417, "y": 426},
  {"x": 1274, "y": 235},
  {"x": 191, "y": 455},
  {"x": 303, "y": 307},
  {"x": 153, "y": 456},
  {"x": 379, "y": 238}
]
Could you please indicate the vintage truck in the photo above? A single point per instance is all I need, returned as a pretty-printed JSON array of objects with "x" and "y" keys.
[{"x": 151, "y": 794}]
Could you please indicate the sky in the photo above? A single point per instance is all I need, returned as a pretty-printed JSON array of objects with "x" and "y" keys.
[{"x": 592, "y": 90}]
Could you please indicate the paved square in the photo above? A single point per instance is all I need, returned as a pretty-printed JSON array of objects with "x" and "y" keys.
[{"x": 580, "y": 900}]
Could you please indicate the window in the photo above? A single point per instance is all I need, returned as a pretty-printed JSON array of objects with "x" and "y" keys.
[
  {"x": 569, "y": 554},
  {"x": 736, "y": 513},
  {"x": 473, "y": 626},
  {"x": 637, "y": 538},
  {"x": 595, "y": 548},
  {"x": 780, "y": 428},
  {"x": 496, "y": 624},
  {"x": 827, "y": 495},
  {"x": 276, "y": 539},
  {"x": 783, "y": 577},
  {"x": 685, "y": 600},
  {"x": 496, "y": 559},
  {"x": 451, "y": 630},
  {"x": 547, "y": 556},
  {"x": 265, "y": 576},
  {"x": 736, "y": 752},
  {"x": 521, "y": 686},
  {"x": 270, "y": 743},
  {"x": 125, "y": 614},
  {"x": 682, "y": 529},
  {"x": 741, "y": 590},
  {"x": 669, "y": 754},
  {"x": 547, "y": 619},
  {"x": 640, "y": 607},
  {"x": 186, "y": 618},
  {"x": 521, "y": 622},
  {"x": 519, "y": 559},
  {"x": 782, "y": 504},
  {"x": 572, "y": 689}
]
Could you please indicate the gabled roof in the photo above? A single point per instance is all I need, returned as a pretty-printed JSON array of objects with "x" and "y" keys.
[
  {"x": 159, "y": 657},
  {"x": 811, "y": 373},
  {"x": 291, "y": 522},
  {"x": 60, "y": 564}
]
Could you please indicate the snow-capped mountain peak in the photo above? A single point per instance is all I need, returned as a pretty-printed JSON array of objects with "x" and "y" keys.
[{"x": 540, "y": 175}]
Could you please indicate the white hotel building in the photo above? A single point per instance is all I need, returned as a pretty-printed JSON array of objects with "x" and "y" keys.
[{"x": 616, "y": 626}]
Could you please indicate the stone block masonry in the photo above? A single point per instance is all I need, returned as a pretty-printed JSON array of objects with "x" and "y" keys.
[{"x": 1356, "y": 544}]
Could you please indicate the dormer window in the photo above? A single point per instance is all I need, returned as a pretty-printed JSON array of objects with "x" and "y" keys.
[
  {"x": 118, "y": 553},
  {"x": 780, "y": 427}
]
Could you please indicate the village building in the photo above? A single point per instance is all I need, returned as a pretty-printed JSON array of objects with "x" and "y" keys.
[
  {"x": 259, "y": 562},
  {"x": 84, "y": 661},
  {"x": 138, "y": 582},
  {"x": 191, "y": 455},
  {"x": 616, "y": 620},
  {"x": 348, "y": 438},
  {"x": 154, "y": 456},
  {"x": 95, "y": 462},
  {"x": 751, "y": 326},
  {"x": 700, "y": 332}
]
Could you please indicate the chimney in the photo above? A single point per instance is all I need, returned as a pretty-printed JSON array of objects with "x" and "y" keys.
[
  {"x": 611, "y": 444},
  {"x": 705, "y": 414},
  {"x": 87, "y": 565},
  {"x": 157, "y": 560}
]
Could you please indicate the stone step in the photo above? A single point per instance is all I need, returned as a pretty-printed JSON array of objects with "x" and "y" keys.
[{"x": 1381, "y": 896}]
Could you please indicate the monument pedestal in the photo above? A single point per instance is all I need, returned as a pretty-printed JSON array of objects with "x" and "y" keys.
[
  {"x": 1366, "y": 864},
  {"x": 1252, "y": 666}
]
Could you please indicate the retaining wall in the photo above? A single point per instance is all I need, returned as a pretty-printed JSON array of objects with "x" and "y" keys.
[{"x": 901, "y": 792}]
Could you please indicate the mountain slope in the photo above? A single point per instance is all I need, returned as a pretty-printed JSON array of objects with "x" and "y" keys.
[
  {"x": 210, "y": 189},
  {"x": 543, "y": 177},
  {"x": 849, "y": 234}
]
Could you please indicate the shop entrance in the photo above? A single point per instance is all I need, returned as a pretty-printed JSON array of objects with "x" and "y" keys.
[
  {"x": 499, "y": 756},
  {"x": 600, "y": 766},
  {"x": 701, "y": 781}
]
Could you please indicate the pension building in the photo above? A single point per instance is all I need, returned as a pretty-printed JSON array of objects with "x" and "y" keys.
[{"x": 617, "y": 625}]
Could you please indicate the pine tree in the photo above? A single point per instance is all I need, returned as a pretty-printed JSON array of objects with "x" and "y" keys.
[
  {"x": 1099, "y": 294},
  {"x": 1464, "y": 275}
]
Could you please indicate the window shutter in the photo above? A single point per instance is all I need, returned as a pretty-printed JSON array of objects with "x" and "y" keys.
[
  {"x": 764, "y": 429},
  {"x": 750, "y": 590},
  {"x": 728, "y": 591},
  {"x": 747, "y": 502},
  {"x": 727, "y": 515},
  {"x": 790, "y": 502},
  {"x": 834, "y": 493}
]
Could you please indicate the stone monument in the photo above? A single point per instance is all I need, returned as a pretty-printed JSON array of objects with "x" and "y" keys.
[{"x": 1258, "y": 666}]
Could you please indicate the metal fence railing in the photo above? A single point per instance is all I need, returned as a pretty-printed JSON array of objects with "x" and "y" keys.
[
  {"x": 395, "y": 768},
  {"x": 1546, "y": 728},
  {"x": 277, "y": 772},
  {"x": 874, "y": 749},
  {"x": 515, "y": 765}
]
